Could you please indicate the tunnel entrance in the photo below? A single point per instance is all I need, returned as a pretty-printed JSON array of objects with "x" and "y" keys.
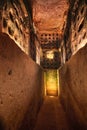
[{"x": 51, "y": 78}]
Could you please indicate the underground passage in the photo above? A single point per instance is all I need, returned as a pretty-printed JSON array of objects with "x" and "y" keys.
[{"x": 43, "y": 64}]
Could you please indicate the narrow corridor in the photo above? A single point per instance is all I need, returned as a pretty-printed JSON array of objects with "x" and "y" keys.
[
  {"x": 43, "y": 64},
  {"x": 52, "y": 116}
]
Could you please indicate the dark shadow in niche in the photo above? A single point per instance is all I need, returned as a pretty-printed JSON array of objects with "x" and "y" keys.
[
  {"x": 11, "y": 32},
  {"x": 81, "y": 26},
  {"x": 75, "y": 35},
  {"x": 15, "y": 38},
  {"x": 5, "y": 6},
  {"x": 21, "y": 31},
  {"x": 11, "y": 17},
  {"x": 82, "y": 10},
  {"x": 16, "y": 7},
  {"x": 78, "y": 17},
  {"x": 17, "y": 25},
  {"x": 4, "y": 23},
  {"x": 41, "y": 35},
  {"x": 84, "y": 35}
]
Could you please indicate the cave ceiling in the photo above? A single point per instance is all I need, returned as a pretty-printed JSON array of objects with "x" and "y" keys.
[{"x": 49, "y": 16}]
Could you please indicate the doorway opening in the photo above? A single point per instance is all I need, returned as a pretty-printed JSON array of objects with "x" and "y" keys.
[{"x": 51, "y": 80}]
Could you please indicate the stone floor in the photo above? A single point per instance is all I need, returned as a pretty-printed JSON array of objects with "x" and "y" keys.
[{"x": 52, "y": 116}]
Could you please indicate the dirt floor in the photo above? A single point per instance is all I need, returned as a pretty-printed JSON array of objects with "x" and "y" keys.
[{"x": 52, "y": 116}]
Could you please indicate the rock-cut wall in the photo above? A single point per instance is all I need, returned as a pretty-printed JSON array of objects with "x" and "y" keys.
[
  {"x": 21, "y": 91},
  {"x": 73, "y": 89}
]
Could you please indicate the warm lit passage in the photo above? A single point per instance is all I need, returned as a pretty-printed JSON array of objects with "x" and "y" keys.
[
  {"x": 51, "y": 82},
  {"x": 43, "y": 64}
]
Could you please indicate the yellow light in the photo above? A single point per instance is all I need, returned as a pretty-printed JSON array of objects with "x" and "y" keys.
[
  {"x": 51, "y": 83},
  {"x": 51, "y": 96},
  {"x": 50, "y": 54},
  {"x": 59, "y": 49}
]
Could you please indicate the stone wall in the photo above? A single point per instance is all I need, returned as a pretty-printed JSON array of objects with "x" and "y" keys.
[
  {"x": 73, "y": 89},
  {"x": 75, "y": 35},
  {"x": 78, "y": 25},
  {"x": 21, "y": 91},
  {"x": 15, "y": 22}
]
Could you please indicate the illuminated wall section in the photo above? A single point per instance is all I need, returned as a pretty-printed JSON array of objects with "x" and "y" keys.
[
  {"x": 51, "y": 82},
  {"x": 75, "y": 35},
  {"x": 15, "y": 23},
  {"x": 79, "y": 26},
  {"x": 39, "y": 53}
]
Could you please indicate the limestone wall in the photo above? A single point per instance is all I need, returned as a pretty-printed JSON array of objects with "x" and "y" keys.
[
  {"x": 21, "y": 91},
  {"x": 15, "y": 23},
  {"x": 73, "y": 89},
  {"x": 75, "y": 35}
]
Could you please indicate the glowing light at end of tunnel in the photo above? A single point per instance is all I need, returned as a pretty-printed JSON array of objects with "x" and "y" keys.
[
  {"x": 50, "y": 55},
  {"x": 51, "y": 79},
  {"x": 51, "y": 96}
]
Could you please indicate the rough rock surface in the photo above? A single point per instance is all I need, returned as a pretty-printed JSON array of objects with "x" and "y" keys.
[
  {"x": 49, "y": 15},
  {"x": 21, "y": 91},
  {"x": 73, "y": 89}
]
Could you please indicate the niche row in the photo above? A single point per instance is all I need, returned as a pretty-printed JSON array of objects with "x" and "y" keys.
[
  {"x": 12, "y": 23},
  {"x": 45, "y": 38},
  {"x": 79, "y": 28}
]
